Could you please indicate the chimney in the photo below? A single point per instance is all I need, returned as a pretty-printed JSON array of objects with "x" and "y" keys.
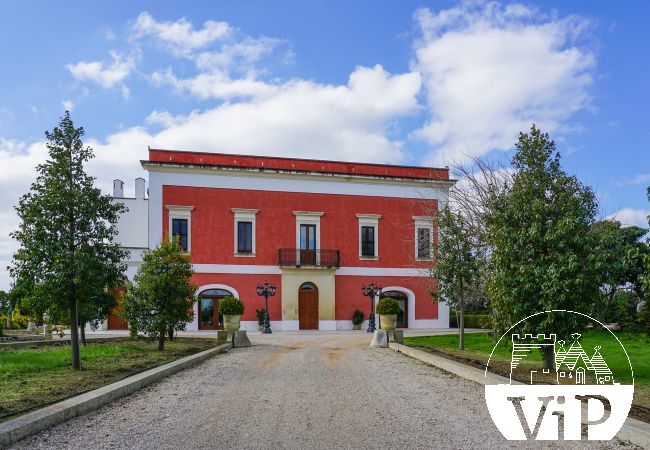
[
  {"x": 139, "y": 187},
  {"x": 118, "y": 188}
]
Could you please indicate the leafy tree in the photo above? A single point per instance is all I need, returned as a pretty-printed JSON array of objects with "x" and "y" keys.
[
  {"x": 457, "y": 269},
  {"x": 619, "y": 254},
  {"x": 66, "y": 234},
  {"x": 161, "y": 295},
  {"x": 542, "y": 252}
]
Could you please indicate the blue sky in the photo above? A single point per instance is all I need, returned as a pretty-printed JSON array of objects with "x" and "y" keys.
[{"x": 397, "y": 82}]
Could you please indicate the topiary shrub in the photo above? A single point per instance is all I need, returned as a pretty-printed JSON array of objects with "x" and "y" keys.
[
  {"x": 357, "y": 317},
  {"x": 387, "y": 306},
  {"x": 231, "y": 306}
]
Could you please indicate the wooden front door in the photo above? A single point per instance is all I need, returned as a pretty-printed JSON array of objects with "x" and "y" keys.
[
  {"x": 115, "y": 322},
  {"x": 209, "y": 317},
  {"x": 308, "y": 307}
]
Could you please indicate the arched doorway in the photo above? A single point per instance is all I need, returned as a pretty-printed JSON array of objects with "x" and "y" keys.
[
  {"x": 402, "y": 299},
  {"x": 208, "y": 309},
  {"x": 308, "y": 307}
]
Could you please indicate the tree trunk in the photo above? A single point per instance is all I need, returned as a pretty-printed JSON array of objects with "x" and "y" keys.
[
  {"x": 170, "y": 334},
  {"x": 161, "y": 340},
  {"x": 548, "y": 356},
  {"x": 133, "y": 331},
  {"x": 82, "y": 333},
  {"x": 461, "y": 321},
  {"x": 74, "y": 335}
]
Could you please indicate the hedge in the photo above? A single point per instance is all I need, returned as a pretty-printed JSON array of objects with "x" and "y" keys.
[{"x": 471, "y": 321}]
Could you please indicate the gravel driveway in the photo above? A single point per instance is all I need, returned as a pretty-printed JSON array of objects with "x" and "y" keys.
[{"x": 295, "y": 390}]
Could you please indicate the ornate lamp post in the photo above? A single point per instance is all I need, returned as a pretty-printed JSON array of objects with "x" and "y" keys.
[
  {"x": 371, "y": 291},
  {"x": 267, "y": 290}
]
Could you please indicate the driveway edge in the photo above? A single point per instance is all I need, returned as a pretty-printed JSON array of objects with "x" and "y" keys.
[
  {"x": 633, "y": 430},
  {"x": 19, "y": 428}
]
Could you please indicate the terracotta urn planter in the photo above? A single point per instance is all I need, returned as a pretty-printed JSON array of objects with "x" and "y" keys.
[
  {"x": 356, "y": 326},
  {"x": 388, "y": 321},
  {"x": 231, "y": 322}
]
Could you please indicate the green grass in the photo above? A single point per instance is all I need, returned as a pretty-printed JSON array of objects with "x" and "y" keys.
[
  {"x": 32, "y": 378},
  {"x": 479, "y": 345}
]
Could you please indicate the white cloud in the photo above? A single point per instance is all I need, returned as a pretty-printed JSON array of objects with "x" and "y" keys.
[
  {"x": 18, "y": 161},
  {"x": 213, "y": 85},
  {"x": 68, "y": 105},
  {"x": 179, "y": 37},
  {"x": 631, "y": 216},
  {"x": 643, "y": 178},
  {"x": 106, "y": 75},
  {"x": 302, "y": 118},
  {"x": 490, "y": 71}
]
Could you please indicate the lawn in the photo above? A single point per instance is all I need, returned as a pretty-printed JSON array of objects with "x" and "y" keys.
[
  {"x": 33, "y": 378},
  {"x": 479, "y": 345}
]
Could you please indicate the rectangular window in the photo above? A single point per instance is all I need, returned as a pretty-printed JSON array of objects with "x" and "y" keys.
[
  {"x": 367, "y": 241},
  {"x": 424, "y": 243},
  {"x": 244, "y": 237},
  {"x": 179, "y": 228}
]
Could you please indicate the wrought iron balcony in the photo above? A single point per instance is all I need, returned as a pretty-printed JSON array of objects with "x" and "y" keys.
[{"x": 309, "y": 258}]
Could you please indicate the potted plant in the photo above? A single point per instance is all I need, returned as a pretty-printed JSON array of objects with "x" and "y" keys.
[
  {"x": 232, "y": 308},
  {"x": 388, "y": 309},
  {"x": 260, "y": 318},
  {"x": 357, "y": 319}
]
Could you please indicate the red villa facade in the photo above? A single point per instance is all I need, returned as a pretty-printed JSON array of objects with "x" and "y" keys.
[{"x": 318, "y": 230}]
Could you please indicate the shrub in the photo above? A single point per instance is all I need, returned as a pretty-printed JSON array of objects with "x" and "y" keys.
[
  {"x": 471, "y": 321},
  {"x": 18, "y": 320},
  {"x": 643, "y": 318},
  {"x": 357, "y": 317},
  {"x": 231, "y": 306},
  {"x": 260, "y": 316},
  {"x": 388, "y": 306}
]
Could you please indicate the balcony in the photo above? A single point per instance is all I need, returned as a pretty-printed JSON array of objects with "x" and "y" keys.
[{"x": 309, "y": 258}]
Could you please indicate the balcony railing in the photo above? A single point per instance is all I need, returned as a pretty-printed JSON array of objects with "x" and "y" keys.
[{"x": 309, "y": 258}]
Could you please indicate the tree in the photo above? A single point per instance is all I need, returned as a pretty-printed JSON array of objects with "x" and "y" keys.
[
  {"x": 66, "y": 233},
  {"x": 619, "y": 256},
  {"x": 161, "y": 296},
  {"x": 542, "y": 252},
  {"x": 457, "y": 268}
]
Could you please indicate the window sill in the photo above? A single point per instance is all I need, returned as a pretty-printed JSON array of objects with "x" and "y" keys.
[
  {"x": 368, "y": 258},
  {"x": 424, "y": 259},
  {"x": 244, "y": 255}
]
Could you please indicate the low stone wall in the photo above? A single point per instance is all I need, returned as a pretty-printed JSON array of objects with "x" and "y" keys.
[{"x": 19, "y": 428}]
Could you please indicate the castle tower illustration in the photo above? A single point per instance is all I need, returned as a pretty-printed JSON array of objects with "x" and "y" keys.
[
  {"x": 522, "y": 349},
  {"x": 572, "y": 365}
]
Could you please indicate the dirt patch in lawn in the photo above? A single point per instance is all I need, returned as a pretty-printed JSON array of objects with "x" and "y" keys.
[
  {"x": 639, "y": 409},
  {"x": 34, "y": 378}
]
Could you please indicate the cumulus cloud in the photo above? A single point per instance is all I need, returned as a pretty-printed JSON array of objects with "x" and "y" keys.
[
  {"x": 296, "y": 118},
  {"x": 631, "y": 216},
  {"x": 491, "y": 70},
  {"x": 179, "y": 37},
  {"x": 104, "y": 74},
  {"x": 643, "y": 178}
]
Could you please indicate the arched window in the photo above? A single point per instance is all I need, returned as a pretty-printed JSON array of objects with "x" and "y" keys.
[
  {"x": 402, "y": 299},
  {"x": 308, "y": 287},
  {"x": 209, "y": 316}
]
